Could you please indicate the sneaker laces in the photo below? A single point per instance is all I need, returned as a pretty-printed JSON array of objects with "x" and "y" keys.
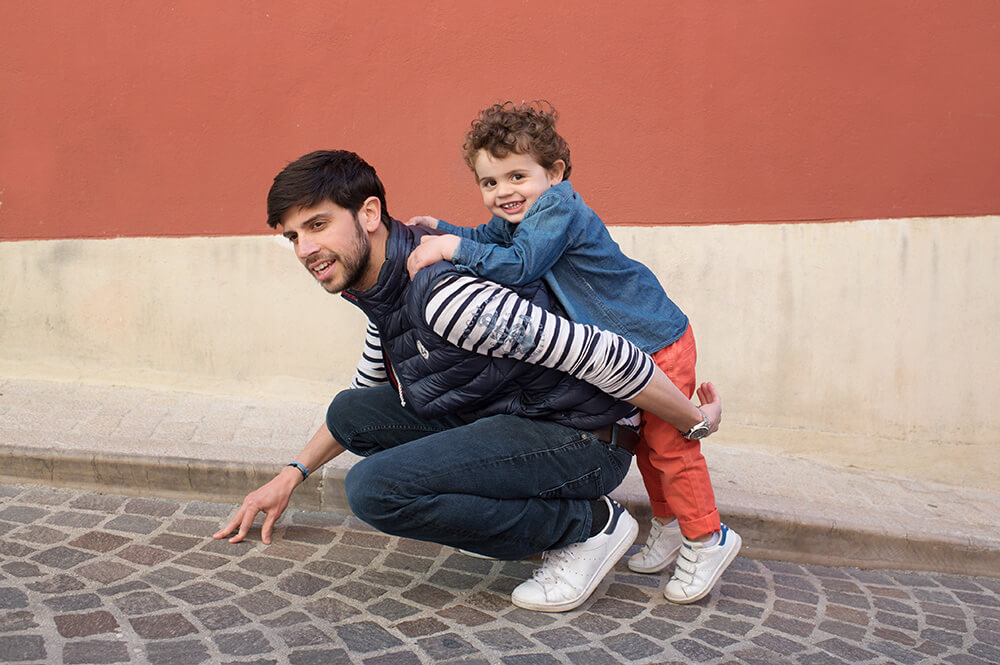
[{"x": 552, "y": 570}]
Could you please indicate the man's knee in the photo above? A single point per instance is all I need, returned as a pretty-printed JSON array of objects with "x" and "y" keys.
[{"x": 373, "y": 494}]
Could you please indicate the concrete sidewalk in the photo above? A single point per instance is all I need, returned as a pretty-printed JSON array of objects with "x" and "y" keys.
[{"x": 186, "y": 446}]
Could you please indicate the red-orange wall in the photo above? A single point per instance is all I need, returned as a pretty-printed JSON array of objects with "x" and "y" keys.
[{"x": 171, "y": 118}]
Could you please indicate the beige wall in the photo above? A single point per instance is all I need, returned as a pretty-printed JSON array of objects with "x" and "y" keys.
[{"x": 863, "y": 343}]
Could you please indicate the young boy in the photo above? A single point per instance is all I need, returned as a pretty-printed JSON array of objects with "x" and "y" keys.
[{"x": 541, "y": 228}]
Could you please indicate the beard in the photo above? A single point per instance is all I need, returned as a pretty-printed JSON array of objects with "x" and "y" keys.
[{"x": 353, "y": 264}]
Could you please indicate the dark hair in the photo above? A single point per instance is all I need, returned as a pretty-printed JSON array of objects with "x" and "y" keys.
[
  {"x": 528, "y": 127},
  {"x": 339, "y": 176}
]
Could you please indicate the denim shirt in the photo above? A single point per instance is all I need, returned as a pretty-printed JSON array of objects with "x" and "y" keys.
[{"x": 564, "y": 242}]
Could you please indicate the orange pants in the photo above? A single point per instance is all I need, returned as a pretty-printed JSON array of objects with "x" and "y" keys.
[{"x": 673, "y": 468}]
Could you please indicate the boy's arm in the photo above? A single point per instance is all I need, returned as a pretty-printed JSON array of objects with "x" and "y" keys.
[
  {"x": 542, "y": 237},
  {"x": 465, "y": 311}
]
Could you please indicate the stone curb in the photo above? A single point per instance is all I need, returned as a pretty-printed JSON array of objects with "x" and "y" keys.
[{"x": 767, "y": 534}]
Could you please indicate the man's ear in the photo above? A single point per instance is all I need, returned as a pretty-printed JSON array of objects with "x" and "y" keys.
[
  {"x": 370, "y": 214},
  {"x": 556, "y": 172}
]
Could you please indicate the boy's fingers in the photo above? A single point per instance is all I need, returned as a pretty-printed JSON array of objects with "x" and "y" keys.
[
  {"x": 268, "y": 527},
  {"x": 247, "y": 522}
]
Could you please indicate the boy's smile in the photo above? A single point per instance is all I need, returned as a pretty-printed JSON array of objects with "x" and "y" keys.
[{"x": 510, "y": 185}]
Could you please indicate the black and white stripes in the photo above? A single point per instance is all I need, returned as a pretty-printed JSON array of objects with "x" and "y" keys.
[{"x": 489, "y": 319}]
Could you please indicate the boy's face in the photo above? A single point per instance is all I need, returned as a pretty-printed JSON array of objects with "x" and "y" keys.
[{"x": 510, "y": 185}]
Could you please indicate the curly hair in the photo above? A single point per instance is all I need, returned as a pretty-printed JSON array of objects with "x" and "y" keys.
[{"x": 525, "y": 128}]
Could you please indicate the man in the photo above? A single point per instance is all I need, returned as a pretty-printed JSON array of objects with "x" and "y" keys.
[{"x": 500, "y": 429}]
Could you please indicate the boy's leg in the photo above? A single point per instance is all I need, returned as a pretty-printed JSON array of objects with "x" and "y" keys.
[
  {"x": 503, "y": 486},
  {"x": 673, "y": 469}
]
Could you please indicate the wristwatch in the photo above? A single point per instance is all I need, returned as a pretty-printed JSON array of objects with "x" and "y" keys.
[{"x": 701, "y": 430}]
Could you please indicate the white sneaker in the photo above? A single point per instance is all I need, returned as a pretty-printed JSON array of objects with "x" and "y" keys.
[
  {"x": 569, "y": 575},
  {"x": 660, "y": 549},
  {"x": 699, "y": 567}
]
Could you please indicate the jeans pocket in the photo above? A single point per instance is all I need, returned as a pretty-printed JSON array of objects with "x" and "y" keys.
[{"x": 587, "y": 486}]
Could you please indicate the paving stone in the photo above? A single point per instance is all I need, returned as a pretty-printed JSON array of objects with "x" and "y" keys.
[
  {"x": 103, "y": 503},
  {"x": 422, "y": 626},
  {"x": 262, "y": 602},
  {"x": 467, "y": 616},
  {"x": 695, "y": 650},
  {"x": 445, "y": 647},
  {"x": 74, "y": 519},
  {"x": 22, "y": 569},
  {"x": 80, "y": 601},
  {"x": 14, "y": 550},
  {"x": 366, "y": 636},
  {"x": 20, "y": 648},
  {"x": 593, "y": 623},
  {"x": 95, "y": 651},
  {"x": 152, "y": 507},
  {"x": 849, "y": 652},
  {"x": 201, "y": 560},
  {"x": 330, "y": 609},
  {"x": 201, "y": 593},
  {"x": 848, "y": 631},
  {"x": 162, "y": 626},
  {"x": 561, "y": 638},
  {"x": 293, "y": 551},
  {"x": 220, "y": 617},
  {"x": 174, "y": 542},
  {"x": 39, "y": 534},
  {"x": 504, "y": 639},
  {"x": 85, "y": 625},
  {"x": 105, "y": 572},
  {"x": 392, "y": 609},
  {"x": 529, "y": 618},
  {"x": 245, "y": 643},
  {"x": 450, "y": 579},
  {"x": 187, "y": 652},
  {"x": 144, "y": 555},
  {"x": 142, "y": 602},
  {"x": 60, "y": 583},
  {"x": 591, "y": 656},
  {"x": 397, "y": 658},
  {"x": 132, "y": 524},
  {"x": 22, "y": 514},
  {"x": 425, "y": 594},
  {"x": 193, "y": 527},
  {"x": 99, "y": 541},
  {"x": 238, "y": 579},
  {"x": 304, "y": 635},
  {"x": 267, "y": 566},
  {"x": 302, "y": 584},
  {"x": 320, "y": 657},
  {"x": 61, "y": 557}
]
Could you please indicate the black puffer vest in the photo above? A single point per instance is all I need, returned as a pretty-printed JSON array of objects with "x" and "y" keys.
[{"x": 434, "y": 377}]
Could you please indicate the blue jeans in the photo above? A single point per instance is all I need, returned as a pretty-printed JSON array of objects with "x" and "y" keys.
[{"x": 503, "y": 486}]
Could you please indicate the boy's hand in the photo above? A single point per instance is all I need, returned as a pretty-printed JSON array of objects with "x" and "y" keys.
[
  {"x": 711, "y": 404},
  {"x": 431, "y": 250},
  {"x": 423, "y": 220}
]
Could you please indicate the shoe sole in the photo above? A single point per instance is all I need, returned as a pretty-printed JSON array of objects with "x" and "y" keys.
[
  {"x": 646, "y": 570},
  {"x": 715, "y": 577},
  {"x": 609, "y": 562}
]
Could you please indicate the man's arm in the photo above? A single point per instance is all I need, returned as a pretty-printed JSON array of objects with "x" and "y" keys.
[
  {"x": 371, "y": 366},
  {"x": 489, "y": 319},
  {"x": 272, "y": 498}
]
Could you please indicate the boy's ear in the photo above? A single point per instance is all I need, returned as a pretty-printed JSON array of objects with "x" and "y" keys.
[{"x": 556, "y": 172}]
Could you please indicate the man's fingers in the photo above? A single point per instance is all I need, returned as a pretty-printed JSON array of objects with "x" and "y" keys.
[
  {"x": 248, "y": 518},
  {"x": 268, "y": 527},
  {"x": 228, "y": 529}
]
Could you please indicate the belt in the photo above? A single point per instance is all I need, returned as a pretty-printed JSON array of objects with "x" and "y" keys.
[{"x": 626, "y": 438}]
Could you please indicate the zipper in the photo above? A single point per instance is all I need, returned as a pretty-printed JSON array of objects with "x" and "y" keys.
[{"x": 393, "y": 379}]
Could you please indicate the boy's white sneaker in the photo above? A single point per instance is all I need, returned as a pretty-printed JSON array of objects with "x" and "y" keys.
[
  {"x": 569, "y": 575},
  {"x": 699, "y": 566},
  {"x": 660, "y": 549}
]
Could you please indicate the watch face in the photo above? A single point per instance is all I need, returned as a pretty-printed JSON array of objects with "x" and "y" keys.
[{"x": 699, "y": 432}]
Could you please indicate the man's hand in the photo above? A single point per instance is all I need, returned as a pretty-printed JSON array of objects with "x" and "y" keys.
[
  {"x": 423, "y": 220},
  {"x": 711, "y": 404},
  {"x": 431, "y": 250},
  {"x": 270, "y": 499}
]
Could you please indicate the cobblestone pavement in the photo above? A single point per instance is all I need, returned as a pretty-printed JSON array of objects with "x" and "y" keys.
[{"x": 100, "y": 578}]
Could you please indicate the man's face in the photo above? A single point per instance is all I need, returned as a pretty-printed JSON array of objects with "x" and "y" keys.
[
  {"x": 330, "y": 243},
  {"x": 511, "y": 184}
]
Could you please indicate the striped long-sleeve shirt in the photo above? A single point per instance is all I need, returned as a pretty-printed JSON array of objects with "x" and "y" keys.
[{"x": 485, "y": 318}]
